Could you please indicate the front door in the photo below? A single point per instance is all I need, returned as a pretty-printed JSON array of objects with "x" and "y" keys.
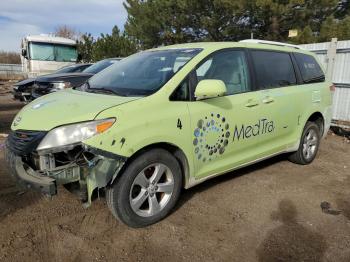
[{"x": 227, "y": 131}]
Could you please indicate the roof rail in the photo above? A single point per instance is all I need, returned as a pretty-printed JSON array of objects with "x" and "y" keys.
[{"x": 257, "y": 41}]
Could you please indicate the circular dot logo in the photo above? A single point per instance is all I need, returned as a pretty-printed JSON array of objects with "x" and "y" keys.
[{"x": 211, "y": 137}]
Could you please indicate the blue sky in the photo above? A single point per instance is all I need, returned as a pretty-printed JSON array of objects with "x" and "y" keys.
[{"x": 19, "y": 18}]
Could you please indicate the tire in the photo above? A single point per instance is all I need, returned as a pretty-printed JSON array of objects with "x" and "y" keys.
[
  {"x": 132, "y": 198},
  {"x": 308, "y": 147}
]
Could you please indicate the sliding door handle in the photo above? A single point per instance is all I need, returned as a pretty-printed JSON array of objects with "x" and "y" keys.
[
  {"x": 252, "y": 103},
  {"x": 268, "y": 100}
]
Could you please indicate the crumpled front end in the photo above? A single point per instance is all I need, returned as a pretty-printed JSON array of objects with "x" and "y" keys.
[
  {"x": 82, "y": 169},
  {"x": 23, "y": 93}
]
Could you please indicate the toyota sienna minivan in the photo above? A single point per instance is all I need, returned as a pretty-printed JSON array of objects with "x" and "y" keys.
[{"x": 169, "y": 118}]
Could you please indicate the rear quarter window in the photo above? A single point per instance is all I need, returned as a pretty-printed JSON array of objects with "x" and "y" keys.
[
  {"x": 310, "y": 70},
  {"x": 273, "y": 69}
]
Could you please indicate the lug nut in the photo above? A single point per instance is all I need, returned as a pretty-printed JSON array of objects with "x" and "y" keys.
[
  {"x": 151, "y": 194},
  {"x": 146, "y": 193}
]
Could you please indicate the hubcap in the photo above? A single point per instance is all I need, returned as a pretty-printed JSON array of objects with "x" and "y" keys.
[
  {"x": 151, "y": 190},
  {"x": 310, "y": 144}
]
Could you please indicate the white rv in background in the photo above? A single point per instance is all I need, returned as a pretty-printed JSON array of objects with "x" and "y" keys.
[{"x": 44, "y": 54}]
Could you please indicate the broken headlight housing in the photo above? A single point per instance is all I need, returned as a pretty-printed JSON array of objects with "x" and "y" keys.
[
  {"x": 60, "y": 85},
  {"x": 73, "y": 134}
]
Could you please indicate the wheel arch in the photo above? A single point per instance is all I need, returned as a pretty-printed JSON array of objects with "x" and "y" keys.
[
  {"x": 318, "y": 118},
  {"x": 177, "y": 152}
]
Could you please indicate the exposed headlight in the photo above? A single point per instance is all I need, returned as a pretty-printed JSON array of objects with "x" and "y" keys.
[
  {"x": 60, "y": 85},
  {"x": 73, "y": 134}
]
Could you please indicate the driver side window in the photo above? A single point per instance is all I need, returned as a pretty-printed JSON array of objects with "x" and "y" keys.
[{"x": 231, "y": 67}]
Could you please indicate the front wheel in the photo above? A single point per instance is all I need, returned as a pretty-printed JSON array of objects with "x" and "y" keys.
[
  {"x": 308, "y": 147},
  {"x": 147, "y": 190}
]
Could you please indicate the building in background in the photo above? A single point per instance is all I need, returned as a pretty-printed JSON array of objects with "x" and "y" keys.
[{"x": 335, "y": 57}]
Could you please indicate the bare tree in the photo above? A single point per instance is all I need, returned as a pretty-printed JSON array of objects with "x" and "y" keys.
[
  {"x": 9, "y": 58},
  {"x": 67, "y": 32}
]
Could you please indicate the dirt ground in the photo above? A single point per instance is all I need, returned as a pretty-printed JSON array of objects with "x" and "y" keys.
[{"x": 272, "y": 211}]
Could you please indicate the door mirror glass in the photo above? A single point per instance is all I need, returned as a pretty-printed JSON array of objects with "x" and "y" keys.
[
  {"x": 210, "y": 88},
  {"x": 24, "y": 53}
]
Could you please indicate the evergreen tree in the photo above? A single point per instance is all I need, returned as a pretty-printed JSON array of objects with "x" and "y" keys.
[
  {"x": 117, "y": 44},
  {"x": 85, "y": 47},
  {"x": 112, "y": 45},
  {"x": 161, "y": 22}
]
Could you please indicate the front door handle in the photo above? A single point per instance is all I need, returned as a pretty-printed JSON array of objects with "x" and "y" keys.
[
  {"x": 252, "y": 103},
  {"x": 268, "y": 100}
]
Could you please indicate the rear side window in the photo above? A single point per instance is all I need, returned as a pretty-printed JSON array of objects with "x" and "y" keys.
[
  {"x": 273, "y": 69},
  {"x": 310, "y": 70}
]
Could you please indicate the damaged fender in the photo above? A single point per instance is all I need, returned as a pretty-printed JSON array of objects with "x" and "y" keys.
[{"x": 102, "y": 172}]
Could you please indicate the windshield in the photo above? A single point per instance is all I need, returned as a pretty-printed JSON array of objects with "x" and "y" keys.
[
  {"x": 66, "y": 53},
  {"x": 143, "y": 73},
  {"x": 52, "y": 52},
  {"x": 99, "y": 66}
]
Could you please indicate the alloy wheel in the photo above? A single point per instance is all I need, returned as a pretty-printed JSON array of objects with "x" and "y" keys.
[
  {"x": 151, "y": 190},
  {"x": 310, "y": 144}
]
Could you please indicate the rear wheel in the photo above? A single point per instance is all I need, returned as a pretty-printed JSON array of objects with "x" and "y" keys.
[
  {"x": 147, "y": 190},
  {"x": 308, "y": 146}
]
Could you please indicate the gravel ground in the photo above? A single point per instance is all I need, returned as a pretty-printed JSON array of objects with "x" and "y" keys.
[{"x": 271, "y": 211}]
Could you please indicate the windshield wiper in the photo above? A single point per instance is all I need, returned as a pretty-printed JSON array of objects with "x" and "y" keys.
[
  {"x": 101, "y": 90},
  {"x": 82, "y": 87}
]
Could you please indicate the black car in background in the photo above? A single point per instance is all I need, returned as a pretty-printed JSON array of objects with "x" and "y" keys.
[
  {"x": 46, "y": 84},
  {"x": 76, "y": 68},
  {"x": 22, "y": 90}
]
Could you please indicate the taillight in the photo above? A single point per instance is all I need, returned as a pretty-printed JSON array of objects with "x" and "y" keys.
[{"x": 332, "y": 88}]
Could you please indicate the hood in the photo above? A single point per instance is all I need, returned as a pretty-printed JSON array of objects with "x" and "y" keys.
[
  {"x": 62, "y": 77},
  {"x": 64, "y": 107},
  {"x": 25, "y": 82}
]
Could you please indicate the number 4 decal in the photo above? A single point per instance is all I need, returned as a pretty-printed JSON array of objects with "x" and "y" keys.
[{"x": 179, "y": 124}]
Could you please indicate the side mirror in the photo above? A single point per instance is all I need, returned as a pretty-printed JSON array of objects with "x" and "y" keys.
[
  {"x": 24, "y": 53},
  {"x": 210, "y": 88}
]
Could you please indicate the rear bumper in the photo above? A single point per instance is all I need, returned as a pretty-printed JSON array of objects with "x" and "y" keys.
[
  {"x": 327, "y": 120},
  {"x": 27, "y": 177}
]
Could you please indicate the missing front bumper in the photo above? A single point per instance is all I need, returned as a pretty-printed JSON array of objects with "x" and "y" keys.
[
  {"x": 27, "y": 177},
  {"x": 95, "y": 174}
]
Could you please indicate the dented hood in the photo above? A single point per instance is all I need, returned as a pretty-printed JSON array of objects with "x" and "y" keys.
[{"x": 64, "y": 107}]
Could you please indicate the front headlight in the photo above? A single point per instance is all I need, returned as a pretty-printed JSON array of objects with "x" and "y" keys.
[
  {"x": 75, "y": 133},
  {"x": 60, "y": 85}
]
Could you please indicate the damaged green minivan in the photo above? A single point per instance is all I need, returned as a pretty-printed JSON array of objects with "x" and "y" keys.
[{"x": 169, "y": 118}]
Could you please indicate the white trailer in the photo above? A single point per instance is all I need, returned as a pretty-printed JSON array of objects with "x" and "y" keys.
[{"x": 43, "y": 54}]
